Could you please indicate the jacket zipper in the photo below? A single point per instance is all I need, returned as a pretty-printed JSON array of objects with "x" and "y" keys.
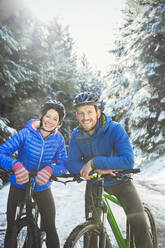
[
  {"x": 42, "y": 150},
  {"x": 91, "y": 148}
]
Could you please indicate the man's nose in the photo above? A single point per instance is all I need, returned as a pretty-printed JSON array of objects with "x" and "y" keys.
[{"x": 85, "y": 116}]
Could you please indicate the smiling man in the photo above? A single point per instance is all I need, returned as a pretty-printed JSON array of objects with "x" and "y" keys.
[
  {"x": 88, "y": 118},
  {"x": 102, "y": 144}
]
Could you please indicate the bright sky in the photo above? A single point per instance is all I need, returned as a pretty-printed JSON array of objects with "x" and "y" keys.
[{"x": 91, "y": 23}]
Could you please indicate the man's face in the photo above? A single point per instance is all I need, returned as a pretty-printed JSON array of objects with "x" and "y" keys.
[{"x": 87, "y": 117}]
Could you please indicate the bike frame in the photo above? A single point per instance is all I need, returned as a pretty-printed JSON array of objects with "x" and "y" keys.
[
  {"x": 28, "y": 206},
  {"x": 122, "y": 243}
]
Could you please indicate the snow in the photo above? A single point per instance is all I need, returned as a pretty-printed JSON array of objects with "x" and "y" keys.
[
  {"x": 6, "y": 128},
  {"x": 161, "y": 116},
  {"x": 163, "y": 100},
  {"x": 153, "y": 175},
  {"x": 69, "y": 200}
]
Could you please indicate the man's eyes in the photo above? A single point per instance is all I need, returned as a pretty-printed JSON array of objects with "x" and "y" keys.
[{"x": 88, "y": 113}]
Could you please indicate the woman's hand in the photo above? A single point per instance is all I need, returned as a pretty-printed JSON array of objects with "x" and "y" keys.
[
  {"x": 44, "y": 175},
  {"x": 21, "y": 174}
]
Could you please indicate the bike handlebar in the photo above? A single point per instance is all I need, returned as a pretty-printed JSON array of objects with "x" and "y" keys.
[
  {"x": 133, "y": 171},
  {"x": 78, "y": 178}
]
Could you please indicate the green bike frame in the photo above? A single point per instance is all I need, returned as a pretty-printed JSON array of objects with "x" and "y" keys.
[{"x": 122, "y": 243}]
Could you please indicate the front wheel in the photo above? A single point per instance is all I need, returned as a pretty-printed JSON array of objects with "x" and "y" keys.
[
  {"x": 28, "y": 235},
  {"x": 151, "y": 225},
  {"x": 87, "y": 235}
]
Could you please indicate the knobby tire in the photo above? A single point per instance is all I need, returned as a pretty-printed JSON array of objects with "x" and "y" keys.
[
  {"x": 152, "y": 228},
  {"x": 152, "y": 225},
  {"x": 28, "y": 235},
  {"x": 84, "y": 236}
]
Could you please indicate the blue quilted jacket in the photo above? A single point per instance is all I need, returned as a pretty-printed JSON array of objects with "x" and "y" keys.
[
  {"x": 109, "y": 147},
  {"x": 34, "y": 152}
]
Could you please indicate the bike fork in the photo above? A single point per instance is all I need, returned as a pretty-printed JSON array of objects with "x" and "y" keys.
[
  {"x": 104, "y": 234},
  {"x": 103, "y": 239}
]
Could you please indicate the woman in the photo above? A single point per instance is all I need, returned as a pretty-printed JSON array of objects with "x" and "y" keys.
[{"x": 43, "y": 150}]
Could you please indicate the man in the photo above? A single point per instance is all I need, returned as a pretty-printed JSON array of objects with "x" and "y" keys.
[{"x": 102, "y": 144}]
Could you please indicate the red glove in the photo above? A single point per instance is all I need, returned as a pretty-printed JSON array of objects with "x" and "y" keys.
[
  {"x": 44, "y": 175},
  {"x": 21, "y": 174}
]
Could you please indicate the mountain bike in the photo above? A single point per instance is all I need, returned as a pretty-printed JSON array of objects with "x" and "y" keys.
[
  {"x": 28, "y": 231},
  {"x": 94, "y": 229}
]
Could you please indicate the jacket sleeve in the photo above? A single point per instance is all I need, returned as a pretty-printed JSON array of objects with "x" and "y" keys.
[
  {"x": 59, "y": 167},
  {"x": 10, "y": 147},
  {"x": 74, "y": 161},
  {"x": 122, "y": 156}
]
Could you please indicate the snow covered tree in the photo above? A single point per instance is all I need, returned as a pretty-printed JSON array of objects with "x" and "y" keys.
[{"x": 135, "y": 92}]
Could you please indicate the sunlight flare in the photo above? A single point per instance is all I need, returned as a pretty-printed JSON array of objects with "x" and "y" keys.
[{"x": 44, "y": 10}]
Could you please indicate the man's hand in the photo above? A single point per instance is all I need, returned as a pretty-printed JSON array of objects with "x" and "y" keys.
[
  {"x": 105, "y": 172},
  {"x": 86, "y": 169}
]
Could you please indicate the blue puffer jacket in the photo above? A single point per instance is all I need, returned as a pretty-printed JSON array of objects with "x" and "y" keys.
[
  {"x": 109, "y": 147},
  {"x": 34, "y": 152}
]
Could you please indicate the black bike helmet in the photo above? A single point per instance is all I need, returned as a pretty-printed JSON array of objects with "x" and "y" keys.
[
  {"x": 85, "y": 98},
  {"x": 56, "y": 105}
]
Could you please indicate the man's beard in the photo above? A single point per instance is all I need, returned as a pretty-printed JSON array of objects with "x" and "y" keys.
[{"x": 89, "y": 130}]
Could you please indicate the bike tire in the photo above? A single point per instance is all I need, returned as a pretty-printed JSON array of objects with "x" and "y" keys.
[
  {"x": 28, "y": 234},
  {"x": 152, "y": 228},
  {"x": 82, "y": 236},
  {"x": 152, "y": 225}
]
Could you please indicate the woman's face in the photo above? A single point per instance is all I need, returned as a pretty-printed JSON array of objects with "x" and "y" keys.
[{"x": 50, "y": 120}]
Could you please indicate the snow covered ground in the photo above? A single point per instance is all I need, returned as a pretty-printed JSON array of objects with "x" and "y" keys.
[{"x": 69, "y": 200}]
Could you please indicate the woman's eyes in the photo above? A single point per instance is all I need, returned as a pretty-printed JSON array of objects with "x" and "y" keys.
[{"x": 49, "y": 117}]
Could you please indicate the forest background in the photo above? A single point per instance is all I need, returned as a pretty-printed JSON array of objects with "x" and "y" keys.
[{"x": 39, "y": 61}]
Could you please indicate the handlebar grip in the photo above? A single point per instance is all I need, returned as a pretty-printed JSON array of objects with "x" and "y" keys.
[
  {"x": 136, "y": 170},
  {"x": 133, "y": 171}
]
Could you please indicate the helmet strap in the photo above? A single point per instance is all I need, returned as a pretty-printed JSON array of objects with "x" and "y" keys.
[{"x": 51, "y": 131}]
